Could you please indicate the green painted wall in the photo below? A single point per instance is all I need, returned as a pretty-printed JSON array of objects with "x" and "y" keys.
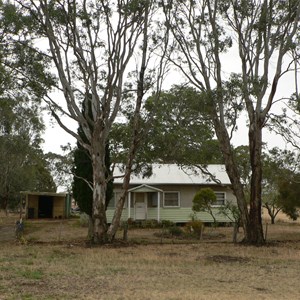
[{"x": 176, "y": 215}]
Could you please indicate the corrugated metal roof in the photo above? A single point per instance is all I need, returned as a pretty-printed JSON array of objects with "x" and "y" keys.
[
  {"x": 174, "y": 174},
  {"x": 44, "y": 193}
]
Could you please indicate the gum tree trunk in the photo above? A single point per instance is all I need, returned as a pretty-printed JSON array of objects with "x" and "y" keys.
[
  {"x": 255, "y": 229},
  {"x": 99, "y": 188}
]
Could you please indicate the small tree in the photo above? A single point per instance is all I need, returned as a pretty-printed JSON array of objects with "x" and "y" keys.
[
  {"x": 279, "y": 168},
  {"x": 289, "y": 192},
  {"x": 204, "y": 200},
  {"x": 232, "y": 212}
]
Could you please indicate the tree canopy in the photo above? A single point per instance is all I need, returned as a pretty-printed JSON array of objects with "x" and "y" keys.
[{"x": 175, "y": 129}]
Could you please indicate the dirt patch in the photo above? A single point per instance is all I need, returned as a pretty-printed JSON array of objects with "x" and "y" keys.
[
  {"x": 7, "y": 233},
  {"x": 227, "y": 259}
]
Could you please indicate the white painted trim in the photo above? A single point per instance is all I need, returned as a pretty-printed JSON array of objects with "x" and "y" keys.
[{"x": 135, "y": 189}]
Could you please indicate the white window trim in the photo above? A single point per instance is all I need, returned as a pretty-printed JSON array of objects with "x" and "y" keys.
[
  {"x": 167, "y": 206},
  {"x": 225, "y": 201}
]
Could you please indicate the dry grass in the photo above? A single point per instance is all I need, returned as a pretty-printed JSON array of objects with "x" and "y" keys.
[{"x": 56, "y": 264}]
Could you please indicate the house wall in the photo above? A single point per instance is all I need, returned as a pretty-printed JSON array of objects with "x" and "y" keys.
[
  {"x": 188, "y": 192},
  {"x": 176, "y": 215},
  {"x": 180, "y": 214}
]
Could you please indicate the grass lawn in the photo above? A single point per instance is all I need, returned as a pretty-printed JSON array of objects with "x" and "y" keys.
[{"x": 56, "y": 263}]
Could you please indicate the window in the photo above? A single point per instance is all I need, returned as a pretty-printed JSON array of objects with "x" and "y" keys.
[
  {"x": 113, "y": 201},
  {"x": 171, "y": 199},
  {"x": 152, "y": 199},
  {"x": 220, "y": 199}
]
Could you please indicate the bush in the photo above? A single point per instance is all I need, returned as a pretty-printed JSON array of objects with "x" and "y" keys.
[
  {"x": 194, "y": 227},
  {"x": 175, "y": 231},
  {"x": 167, "y": 224},
  {"x": 84, "y": 220},
  {"x": 149, "y": 224}
]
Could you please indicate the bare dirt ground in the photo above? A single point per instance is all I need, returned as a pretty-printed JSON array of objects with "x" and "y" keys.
[
  {"x": 7, "y": 227},
  {"x": 55, "y": 262}
]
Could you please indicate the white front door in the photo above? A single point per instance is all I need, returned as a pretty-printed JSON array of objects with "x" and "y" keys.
[{"x": 140, "y": 206}]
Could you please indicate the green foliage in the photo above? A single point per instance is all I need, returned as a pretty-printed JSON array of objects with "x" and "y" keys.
[
  {"x": 83, "y": 170},
  {"x": 179, "y": 127},
  {"x": 231, "y": 211},
  {"x": 194, "y": 227},
  {"x": 60, "y": 166},
  {"x": 167, "y": 223},
  {"x": 32, "y": 274},
  {"x": 278, "y": 170},
  {"x": 84, "y": 220},
  {"x": 175, "y": 231},
  {"x": 24, "y": 79},
  {"x": 289, "y": 192},
  {"x": 24, "y": 71},
  {"x": 22, "y": 162},
  {"x": 279, "y": 167},
  {"x": 175, "y": 129},
  {"x": 204, "y": 199},
  {"x": 150, "y": 224}
]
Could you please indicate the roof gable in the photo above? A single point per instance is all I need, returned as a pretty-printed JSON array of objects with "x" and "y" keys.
[{"x": 144, "y": 188}]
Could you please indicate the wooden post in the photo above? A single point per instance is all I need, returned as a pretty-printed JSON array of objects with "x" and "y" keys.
[
  {"x": 125, "y": 232},
  {"x": 266, "y": 232}
]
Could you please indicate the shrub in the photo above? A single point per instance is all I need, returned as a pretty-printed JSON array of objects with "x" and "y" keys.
[
  {"x": 194, "y": 227},
  {"x": 175, "y": 231},
  {"x": 149, "y": 224},
  {"x": 84, "y": 220},
  {"x": 167, "y": 223}
]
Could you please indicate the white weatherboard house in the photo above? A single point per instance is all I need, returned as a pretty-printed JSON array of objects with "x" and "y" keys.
[{"x": 168, "y": 194}]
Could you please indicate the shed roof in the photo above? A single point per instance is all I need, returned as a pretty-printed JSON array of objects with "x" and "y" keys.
[
  {"x": 174, "y": 174},
  {"x": 44, "y": 194}
]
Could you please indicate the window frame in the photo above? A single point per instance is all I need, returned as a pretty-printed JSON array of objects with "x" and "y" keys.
[
  {"x": 224, "y": 202},
  {"x": 164, "y": 199}
]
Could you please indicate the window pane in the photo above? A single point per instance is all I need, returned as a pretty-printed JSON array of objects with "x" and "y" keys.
[
  {"x": 152, "y": 199},
  {"x": 220, "y": 198},
  {"x": 171, "y": 199}
]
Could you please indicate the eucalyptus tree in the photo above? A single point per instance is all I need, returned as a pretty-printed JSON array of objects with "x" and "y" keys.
[
  {"x": 175, "y": 129},
  {"x": 22, "y": 162},
  {"x": 289, "y": 193},
  {"x": 82, "y": 183},
  {"x": 280, "y": 169},
  {"x": 263, "y": 34},
  {"x": 93, "y": 46}
]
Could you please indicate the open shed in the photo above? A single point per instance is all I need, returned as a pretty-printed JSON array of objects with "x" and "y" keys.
[{"x": 46, "y": 205}]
